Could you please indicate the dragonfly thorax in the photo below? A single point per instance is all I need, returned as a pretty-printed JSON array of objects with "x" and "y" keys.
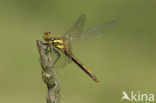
[{"x": 57, "y": 42}]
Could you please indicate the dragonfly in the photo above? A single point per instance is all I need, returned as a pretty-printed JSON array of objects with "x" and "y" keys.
[{"x": 63, "y": 43}]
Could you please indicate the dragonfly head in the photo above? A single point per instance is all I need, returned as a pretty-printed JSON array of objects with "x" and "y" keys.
[{"x": 47, "y": 36}]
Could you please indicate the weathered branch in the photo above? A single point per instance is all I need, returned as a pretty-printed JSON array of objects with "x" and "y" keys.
[{"x": 49, "y": 74}]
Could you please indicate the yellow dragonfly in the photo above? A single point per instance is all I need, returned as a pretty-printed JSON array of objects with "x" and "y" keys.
[{"x": 63, "y": 43}]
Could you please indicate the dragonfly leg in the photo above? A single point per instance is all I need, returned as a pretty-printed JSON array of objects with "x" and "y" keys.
[
  {"x": 58, "y": 55},
  {"x": 48, "y": 46},
  {"x": 55, "y": 51}
]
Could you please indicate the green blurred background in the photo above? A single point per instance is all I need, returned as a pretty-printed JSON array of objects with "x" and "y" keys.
[{"x": 125, "y": 59}]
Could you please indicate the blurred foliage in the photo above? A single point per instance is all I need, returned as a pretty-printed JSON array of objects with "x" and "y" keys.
[{"x": 124, "y": 60}]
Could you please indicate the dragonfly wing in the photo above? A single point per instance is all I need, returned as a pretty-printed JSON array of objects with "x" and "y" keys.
[
  {"x": 76, "y": 31},
  {"x": 62, "y": 61},
  {"x": 73, "y": 32},
  {"x": 96, "y": 32}
]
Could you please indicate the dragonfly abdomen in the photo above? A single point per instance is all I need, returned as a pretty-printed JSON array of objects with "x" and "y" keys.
[{"x": 83, "y": 67}]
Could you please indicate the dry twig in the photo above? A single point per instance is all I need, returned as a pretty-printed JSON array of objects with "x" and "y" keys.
[{"x": 49, "y": 74}]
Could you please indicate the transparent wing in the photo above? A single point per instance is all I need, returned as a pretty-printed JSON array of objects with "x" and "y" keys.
[
  {"x": 75, "y": 31},
  {"x": 62, "y": 61},
  {"x": 96, "y": 32}
]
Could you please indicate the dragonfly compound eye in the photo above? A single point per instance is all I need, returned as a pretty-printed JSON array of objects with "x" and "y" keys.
[{"x": 47, "y": 36}]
